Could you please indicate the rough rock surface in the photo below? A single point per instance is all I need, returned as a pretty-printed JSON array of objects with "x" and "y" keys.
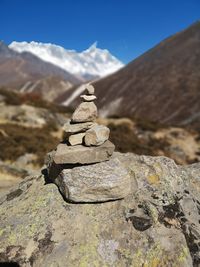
[
  {"x": 76, "y": 139},
  {"x": 158, "y": 225},
  {"x": 86, "y": 111},
  {"x": 83, "y": 155},
  {"x": 70, "y": 128},
  {"x": 99, "y": 182},
  {"x": 97, "y": 135}
]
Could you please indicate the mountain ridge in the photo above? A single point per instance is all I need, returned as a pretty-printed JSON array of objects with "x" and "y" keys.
[
  {"x": 88, "y": 64},
  {"x": 161, "y": 85},
  {"x": 26, "y": 71}
]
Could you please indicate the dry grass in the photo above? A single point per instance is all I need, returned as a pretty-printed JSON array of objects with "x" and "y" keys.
[
  {"x": 15, "y": 98},
  {"x": 17, "y": 140},
  {"x": 126, "y": 140}
]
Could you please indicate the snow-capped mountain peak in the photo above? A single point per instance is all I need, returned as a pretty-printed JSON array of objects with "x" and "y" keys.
[{"x": 92, "y": 62}]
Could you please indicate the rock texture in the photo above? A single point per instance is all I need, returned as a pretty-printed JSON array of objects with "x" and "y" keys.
[
  {"x": 70, "y": 128},
  {"x": 76, "y": 139},
  {"x": 158, "y": 225},
  {"x": 86, "y": 111},
  {"x": 99, "y": 182},
  {"x": 97, "y": 135},
  {"x": 80, "y": 154}
]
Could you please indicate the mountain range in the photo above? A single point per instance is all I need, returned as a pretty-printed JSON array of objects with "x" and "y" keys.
[
  {"x": 22, "y": 67},
  {"x": 162, "y": 85},
  {"x": 88, "y": 64},
  {"x": 26, "y": 72}
]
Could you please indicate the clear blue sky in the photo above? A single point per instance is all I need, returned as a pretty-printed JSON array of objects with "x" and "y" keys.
[{"x": 125, "y": 27}]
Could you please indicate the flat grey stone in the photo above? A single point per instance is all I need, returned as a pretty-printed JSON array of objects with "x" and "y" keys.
[
  {"x": 86, "y": 111},
  {"x": 100, "y": 182},
  {"x": 76, "y": 139},
  {"x": 83, "y": 155},
  {"x": 71, "y": 128},
  {"x": 88, "y": 98},
  {"x": 97, "y": 135}
]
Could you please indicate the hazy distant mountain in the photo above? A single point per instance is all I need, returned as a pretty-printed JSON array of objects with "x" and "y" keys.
[
  {"x": 161, "y": 85},
  {"x": 28, "y": 73},
  {"x": 91, "y": 63}
]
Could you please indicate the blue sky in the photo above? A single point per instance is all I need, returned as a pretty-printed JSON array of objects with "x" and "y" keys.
[{"x": 125, "y": 27}]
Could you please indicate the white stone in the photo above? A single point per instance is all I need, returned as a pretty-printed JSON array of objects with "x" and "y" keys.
[
  {"x": 89, "y": 89},
  {"x": 88, "y": 98}
]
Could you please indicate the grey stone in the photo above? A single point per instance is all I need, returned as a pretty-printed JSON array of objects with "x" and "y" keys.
[
  {"x": 95, "y": 183},
  {"x": 83, "y": 155},
  {"x": 86, "y": 111},
  {"x": 71, "y": 128},
  {"x": 97, "y": 135},
  {"x": 89, "y": 89},
  {"x": 88, "y": 98},
  {"x": 39, "y": 228},
  {"x": 76, "y": 139}
]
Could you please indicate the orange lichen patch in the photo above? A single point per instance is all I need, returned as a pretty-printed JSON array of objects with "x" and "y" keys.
[{"x": 153, "y": 179}]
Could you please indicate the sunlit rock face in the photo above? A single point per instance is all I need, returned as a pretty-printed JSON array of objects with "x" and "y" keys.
[{"x": 156, "y": 224}]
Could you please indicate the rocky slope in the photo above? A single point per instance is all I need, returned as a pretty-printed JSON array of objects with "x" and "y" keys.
[
  {"x": 157, "y": 224},
  {"x": 161, "y": 85}
]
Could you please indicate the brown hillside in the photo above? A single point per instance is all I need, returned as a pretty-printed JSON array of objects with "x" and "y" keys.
[{"x": 161, "y": 85}]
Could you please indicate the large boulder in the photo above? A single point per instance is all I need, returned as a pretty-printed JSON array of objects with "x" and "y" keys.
[
  {"x": 158, "y": 225},
  {"x": 98, "y": 182}
]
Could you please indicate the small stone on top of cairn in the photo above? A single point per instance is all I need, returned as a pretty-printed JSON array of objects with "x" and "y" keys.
[{"x": 86, "y": 141}]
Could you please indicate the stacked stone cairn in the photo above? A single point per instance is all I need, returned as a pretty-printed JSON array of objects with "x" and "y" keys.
[
  {"x": 82, "y": 166},
  {"x": 85, "y": 141}
]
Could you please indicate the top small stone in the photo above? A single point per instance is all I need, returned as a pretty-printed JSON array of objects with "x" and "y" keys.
[{"x": 89, "y": 89}]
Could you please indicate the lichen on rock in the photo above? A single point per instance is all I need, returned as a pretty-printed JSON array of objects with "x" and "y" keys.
[{"x": 155, "y": 225}]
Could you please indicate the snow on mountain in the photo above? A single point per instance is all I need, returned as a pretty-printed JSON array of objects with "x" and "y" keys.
[{"x": 92, "y": 62}]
